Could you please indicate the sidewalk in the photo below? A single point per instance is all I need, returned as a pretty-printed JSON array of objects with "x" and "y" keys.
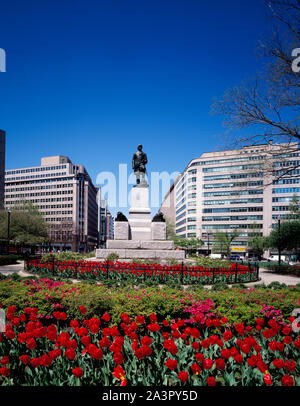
[
  {"x": 14, "y": 268},
  {"x": 267, "y": 278}
]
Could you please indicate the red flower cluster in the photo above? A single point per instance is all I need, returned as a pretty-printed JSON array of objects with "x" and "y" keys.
[
  {"x": 145, "y": 351},
  {"x": 124, "y": 270}
]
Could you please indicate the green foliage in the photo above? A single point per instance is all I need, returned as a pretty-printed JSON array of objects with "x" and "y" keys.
[
  {"x": 208, "y": 262},
  {"x": 187, "y": 244},
  {"x": 220, "y": 286},
  {"x": 112, "y": 257},
  {"x": 260, "y": 286},
  {"x": 195, "y": 288},
  {"x": 164, "y": 302},
  {"x": 168, "y": 302},
  {"x": 91, "y": 254},
  {"x": 258, "y": 245},
  {"x": 173, "y": 284},
  {"x": 27, "y": 225},
  {"x": 172, "y": 261},
  {"x": 144, "y": 261},
  {"x": 13, "y": 293},
  {"x": 13, "y": 276},
  {"x": 95, "y": 299},
  {"x": 63, "y": 256},
  {"x": 294, "y": 208},
  {"x": 287, "y": 236},
  {"x": 9, "y": 259},
  {"x": 240, "y": 286},
  {"x": 171, "y": 234},
  {"x": 276, "y": 285},
  {"x": 223, "y": 241},
  {"x": 283, "y": 269},
  {"x": 149, "y": 283}
]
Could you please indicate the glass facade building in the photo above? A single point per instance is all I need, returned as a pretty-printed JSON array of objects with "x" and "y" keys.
[{"x": 234, "y": 190}]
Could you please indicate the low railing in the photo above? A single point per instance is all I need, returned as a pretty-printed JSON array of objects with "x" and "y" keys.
[{"x": 103, "y": 270}]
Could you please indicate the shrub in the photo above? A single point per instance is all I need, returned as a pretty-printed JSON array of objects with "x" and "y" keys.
[
  {"x": 63, "y": 256},
  {"x": 144, "y": 261},
  {"x": 195, "y": 288},
  {"x": 208, "y": 262},
  {"x": 91, "y": 254},
  {"x": 148, "y": 283},
  {"x": 174, "y": 284},
  {"x": 283, "y": 269},
  {"x": 241, "y": 286},
  {"x": 260, "y": 286},
  {"x": 172, "y": 261},
  {"x": 219, "y": 286},
  {"x": 276, "y": 285},
  {"x": 9, "y": 259},
  {"x": 96, "y": 300},
  {"x": 112, "y": 257}
]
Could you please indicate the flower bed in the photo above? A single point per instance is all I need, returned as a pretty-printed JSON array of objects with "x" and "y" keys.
[
  {"x": 138, "y": 273},
  {"x": 146, "y": 351}
]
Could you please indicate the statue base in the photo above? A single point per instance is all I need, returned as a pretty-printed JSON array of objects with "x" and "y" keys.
[
  {"x": 140, "y": 214},
  {"x": 140, "y": 237}
]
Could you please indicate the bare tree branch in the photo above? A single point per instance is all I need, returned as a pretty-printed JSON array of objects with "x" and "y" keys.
[{"x": 269, "y": 105}]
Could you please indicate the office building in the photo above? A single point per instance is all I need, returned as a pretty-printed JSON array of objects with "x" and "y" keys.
[
  {"x": 105, "y": 221},
  {"x": 232, "y": 190},
  {"x": 66, "y": 196},
  {"x": 110, "y": 225}
]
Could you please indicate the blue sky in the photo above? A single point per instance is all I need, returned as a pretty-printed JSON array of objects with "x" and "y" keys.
[{"x": 92, "y": 79}]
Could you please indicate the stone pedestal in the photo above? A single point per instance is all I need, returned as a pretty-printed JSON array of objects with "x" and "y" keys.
[
  {"x": 121, "y": 230},
  {"x": 159, "y": 231},
  {"x": 140, "y": 237},
  {"x": 140, "y": 214}
]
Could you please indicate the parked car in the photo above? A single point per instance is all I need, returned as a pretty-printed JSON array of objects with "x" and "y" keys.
[{"x": 235, "y": 258}]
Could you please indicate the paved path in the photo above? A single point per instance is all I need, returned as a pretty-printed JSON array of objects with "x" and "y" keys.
[
  {"x": 266, "y": 276},
  {"x": 14, "y": 268}
]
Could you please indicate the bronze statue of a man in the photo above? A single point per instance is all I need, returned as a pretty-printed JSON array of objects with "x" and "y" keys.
[{"x": 139, "y": 162}]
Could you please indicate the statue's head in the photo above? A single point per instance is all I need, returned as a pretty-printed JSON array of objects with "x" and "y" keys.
[{"x": 140, "y": 147}]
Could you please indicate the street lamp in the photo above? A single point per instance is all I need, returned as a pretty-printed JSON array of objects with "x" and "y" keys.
[
  {"x": 279, "y": 241},
  {"x": 8, "y": 228}
]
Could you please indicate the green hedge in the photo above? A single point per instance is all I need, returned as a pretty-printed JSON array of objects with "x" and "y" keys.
[
  {"x": 68, "y": 256},
  {"x": 283, "y": 269},
  {"x": 9, "y": 259}
]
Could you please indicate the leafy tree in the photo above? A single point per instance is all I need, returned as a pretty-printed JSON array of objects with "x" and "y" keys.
[
  {"x": 194, "y": 243},
  {"x": 188, "y": 244},
  {"x": 258, "y": 245},
  {"x": 223, "y": 241},
  {"x": 287, "y": 237},
  {"x": 27, "y": 225}
]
